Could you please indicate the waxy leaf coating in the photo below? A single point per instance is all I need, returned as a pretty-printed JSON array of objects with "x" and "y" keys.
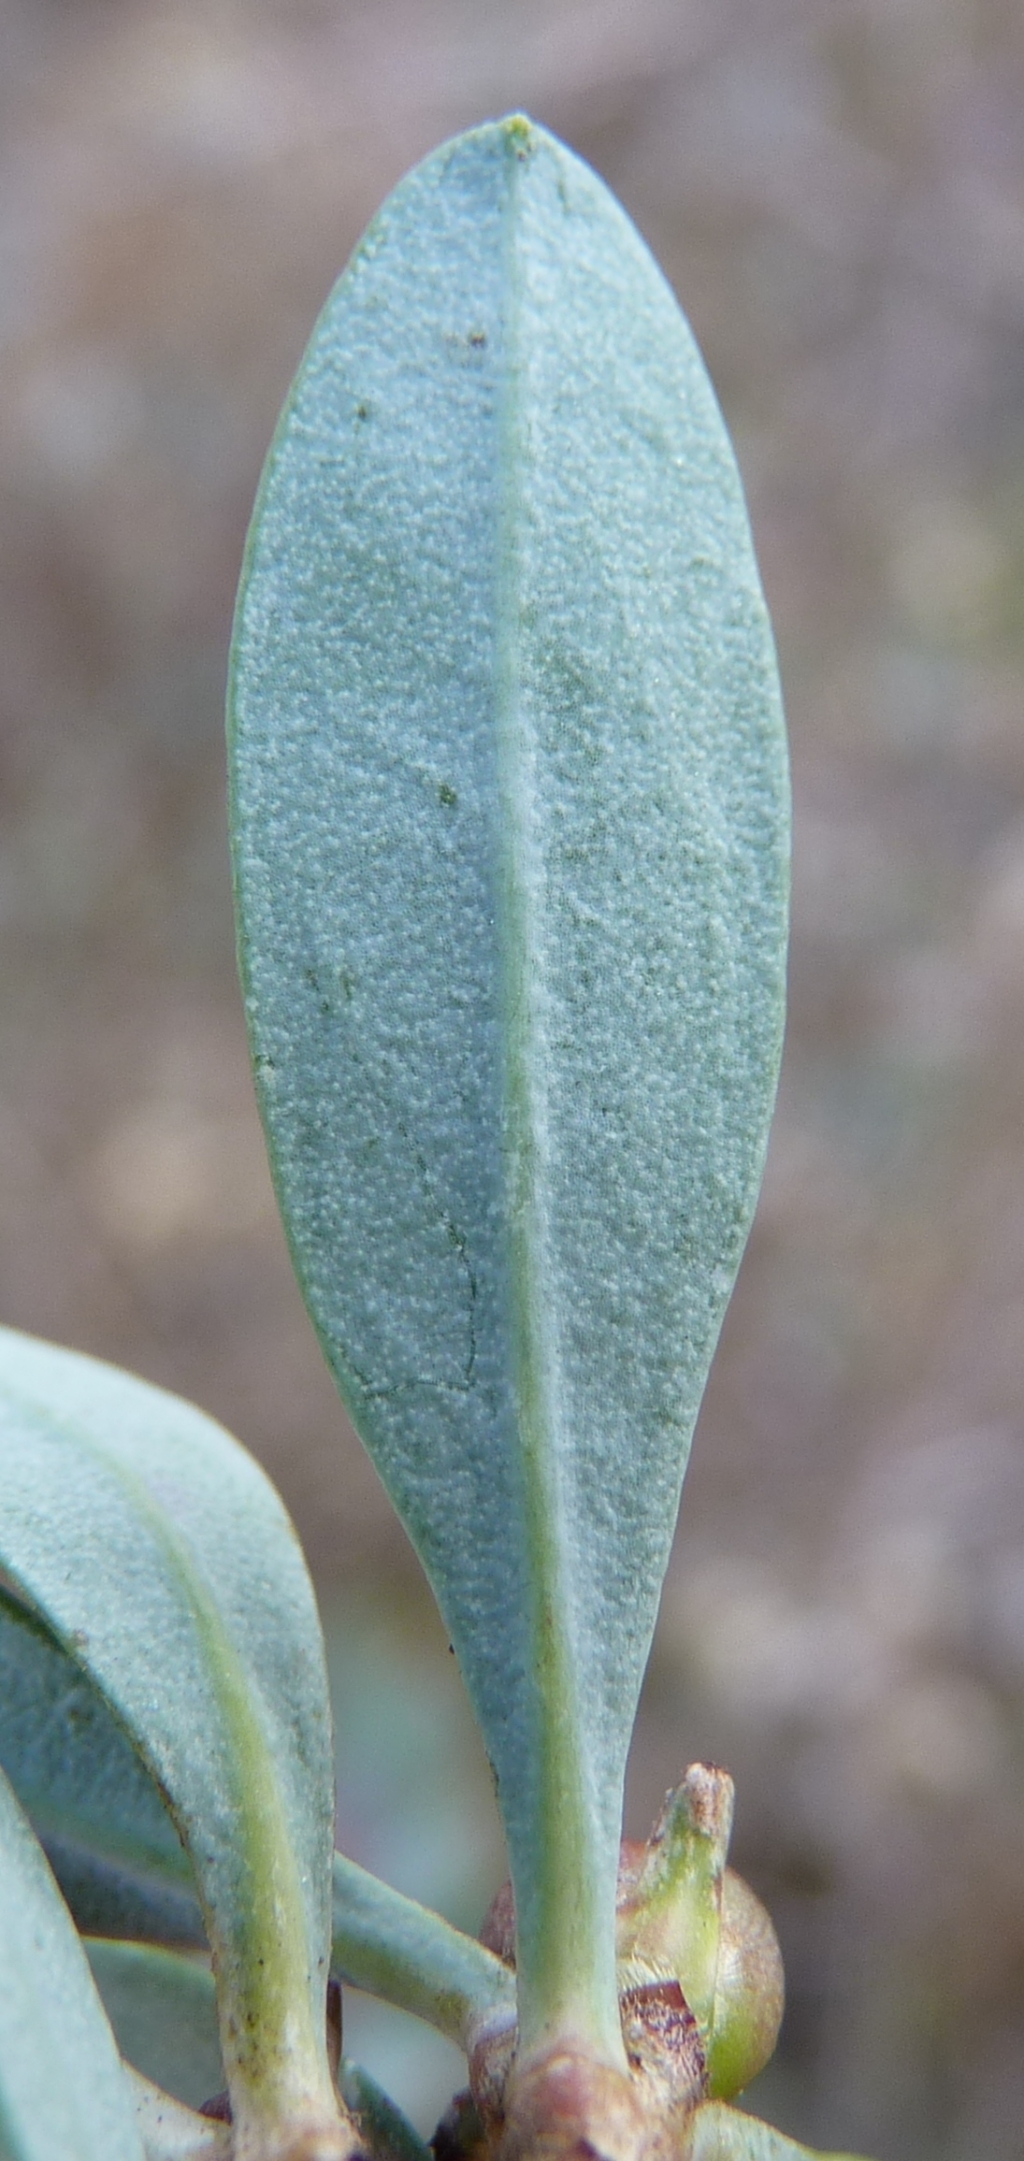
[{"x": 510, "y": 830}]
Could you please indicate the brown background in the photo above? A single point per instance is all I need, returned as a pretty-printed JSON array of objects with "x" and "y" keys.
[{"x": 836, "y": 188}]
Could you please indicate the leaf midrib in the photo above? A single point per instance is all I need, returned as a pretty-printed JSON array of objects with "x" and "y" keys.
[{"x": 566, "y": 1947}]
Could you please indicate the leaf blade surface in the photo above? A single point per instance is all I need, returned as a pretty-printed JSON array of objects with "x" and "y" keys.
[
  {"x": 70, "y": 1762},
  {"x": 163, "y": 2011},
  {"x": 162, "y": 1559},
  {"x": 510, "y": 850},
  {"x": 123, "y": 1871},
  {"x": 62, "y": 2089}
]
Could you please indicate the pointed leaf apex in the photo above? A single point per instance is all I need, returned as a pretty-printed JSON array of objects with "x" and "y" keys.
[{"x": 520, "y": 133}]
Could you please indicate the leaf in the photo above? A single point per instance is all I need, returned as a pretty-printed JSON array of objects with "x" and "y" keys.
[
  {"x": 183, "y": 1993},
  {"x": 726, "y": 2134},
  {"x": 62, "y": 2090},
  {"x": 163, "y": 2009},
  {"x": 123, "y": 1871},
  {"x": 104, "y": 1899},
  {"x": 386, "y": 2134},
  {"x": 396, "y": 1949},
  {"x": 101, "y": 1819},
  {"x": 510, "y": 831},
  {"x": 71, "y": 1764},
  {"x": 162, "y": 1559}
]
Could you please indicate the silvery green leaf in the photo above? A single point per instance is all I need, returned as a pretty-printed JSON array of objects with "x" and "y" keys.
[
  {"x": 101, "y": 1819},
  {"x": 123, "y": 1871},
  {"x": 162, "y": 1559},
  {"x": 69, "y": 1760},
  {"x": 510, "y": 832},
  {"x": 394, "y": 1948},
  {"x": 106, "y": 1899},
  {"x": 726, "y": 2134},
  {"x": 163, "y": 2009},
  {"x": 62, "y": 2089}
]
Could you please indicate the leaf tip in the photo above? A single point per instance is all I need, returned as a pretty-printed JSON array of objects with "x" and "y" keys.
[{"x": 520, "y": 133}]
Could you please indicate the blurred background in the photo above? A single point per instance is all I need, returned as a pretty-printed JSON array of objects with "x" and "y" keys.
[{"x": 836, "y": 189}]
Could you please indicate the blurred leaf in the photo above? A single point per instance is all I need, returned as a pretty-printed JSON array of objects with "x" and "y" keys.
[
  {"x": 726, "y": 2134},
  {"x": 163, "y": 1560},
  {"x": 62, "y": 2090},
  {"x": 386, "y": 2134},
  {"x": 163, "y": 2009},
  {"x": 510, "y": 819}
]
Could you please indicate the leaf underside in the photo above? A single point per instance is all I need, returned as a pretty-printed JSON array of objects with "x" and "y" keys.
[
  {"x": 162, "y": 1560},
  {"x": 163, "y": 2010},
  {"x": 62, "y": 2090},
  {"x": 72, "y": 1765},
  {"x": 123, "y": 1871},
  {"x": 510, "y": 831}
]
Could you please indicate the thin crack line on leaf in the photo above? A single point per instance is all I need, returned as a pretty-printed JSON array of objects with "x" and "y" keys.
[{"x": 387, "y": 1392}]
